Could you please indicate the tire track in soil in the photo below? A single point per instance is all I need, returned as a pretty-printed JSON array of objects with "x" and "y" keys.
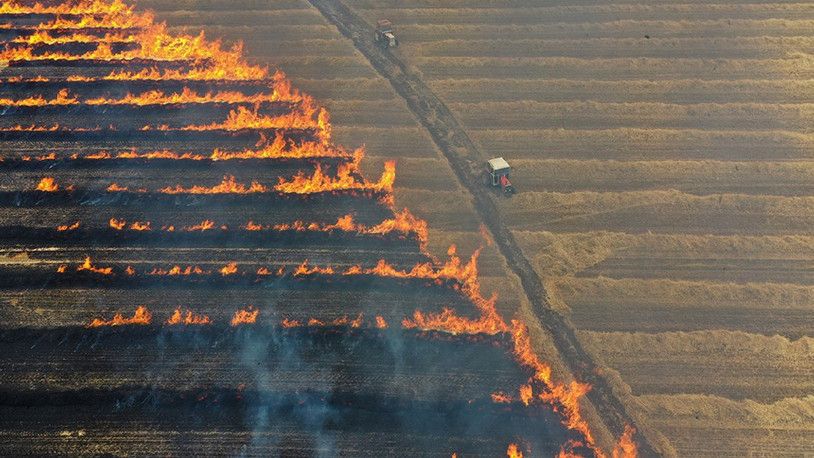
[{"x": 465, "y": 159}]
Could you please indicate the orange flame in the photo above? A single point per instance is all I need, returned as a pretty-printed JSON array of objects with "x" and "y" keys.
[
  {"x": 54, "y": 128},
  {"x": 48, "y": 157},
  {"x": 189, "y": 318},
  {"x": 278, "y": 149},
  {"x": 245, "y": 316},
  {"x": 566, "y": 395},
  {"x": 345, "y": 180},
  {"x": 113, "y": 21},
  {"x": 357, "y": 322},
  {"x": 44, "y": 37},
  {"x": 406, "y": 223},
  {"x": 626, "y": 447},
  {"x": 381, "y": 323},
  {"x": 297, "y": 226},
  {"x": 62, "y": 98},
  {"x": 187, "y": 96},
  {"x": 501, "y": 397},
  {"x": 176, "y": 270},
  {"x": 513, "y": 452},
  {"x": 240, "y": 72},
  {"x": 286, "y": 323},
  {"x": 450, "y": 322},
  {"x": 89, "y": 266},
  {"x": 47, "y": 184},
  {"x": 403, "y": 222},
  {"x": 567, "y": 449},
  {"x": 68, "y": 228},
  {"x": 490, "y": 322},
  {"x": 341, "y": 321},
  {"x": 141, "y": 316},
  {"x": 140, "y": 226},
  {"x": 303, "y": 269},
  {"x": 525, "y": 355},
  {"x": 117, "y": 224},
  {"x": 526, "y": 394},
  {"x": 353, "y": 270},
  {"x": 84, "y": 7},
  {"x": 345, "y": 321},
  {"x": 344, "y": 223},
  {"x": 304, "y": 117},
  {"x": 466, "y": 274},
  {"x": 78, "y": 78},
  {"x": 228, "y": 185},
  {"x": 204, "y": 226},
  {"x": 229, "y": 269},
  {"x": 153, "y": 97},
  {"x": 102, "y": 52},
  {"x": 114, "y": 187},
  {"x": 153, "y": 40}
]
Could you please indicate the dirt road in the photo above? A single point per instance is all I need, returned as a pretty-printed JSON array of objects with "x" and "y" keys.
[{"x": 465, "y": 160}]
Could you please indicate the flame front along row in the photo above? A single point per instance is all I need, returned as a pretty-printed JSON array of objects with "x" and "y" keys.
[{"x": 99, "y": 57}]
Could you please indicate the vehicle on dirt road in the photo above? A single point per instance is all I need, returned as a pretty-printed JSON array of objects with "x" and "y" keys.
[
  {"x": 384, "y": 34},
  {"x": 496, "y": 175}
]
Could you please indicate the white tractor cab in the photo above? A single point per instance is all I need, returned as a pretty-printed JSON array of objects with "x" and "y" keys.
[
  {"x": 497, "y": 175},
  {"x": 384, "y": 34}
]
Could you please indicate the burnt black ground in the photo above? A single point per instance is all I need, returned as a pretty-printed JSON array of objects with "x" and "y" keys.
[
  {"x": 247, "y": 390},
  {"x": 253, "y": 389}
]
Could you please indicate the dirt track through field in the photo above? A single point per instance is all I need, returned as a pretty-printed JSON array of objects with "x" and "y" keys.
[
  {"x": 661, "y": 152},
  {"x": 465, "y": 159},
  {"x": 134, "y": 301},
  {"x": 161, "y": 264}
]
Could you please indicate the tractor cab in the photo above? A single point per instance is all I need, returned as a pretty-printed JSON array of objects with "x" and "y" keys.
[
  {"x": 384, "y": 34},
  {"x": 497, "y": 175}
]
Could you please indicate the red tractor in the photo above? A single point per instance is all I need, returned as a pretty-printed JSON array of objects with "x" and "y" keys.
[{"x": 497, "y": 175}]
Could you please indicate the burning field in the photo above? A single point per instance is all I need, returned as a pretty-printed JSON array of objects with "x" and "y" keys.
[{"x": 191, "y": 265}]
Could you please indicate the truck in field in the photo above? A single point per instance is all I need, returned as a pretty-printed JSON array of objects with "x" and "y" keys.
[
  {"x": 384, "y": 34},
  {"x": 496, "y": 174}
]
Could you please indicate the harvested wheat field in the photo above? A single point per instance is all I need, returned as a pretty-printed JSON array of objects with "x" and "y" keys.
[{"x": 662, "y": 155}]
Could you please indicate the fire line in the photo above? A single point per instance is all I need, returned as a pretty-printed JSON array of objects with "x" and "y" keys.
[{"x": 136, "y": 37}]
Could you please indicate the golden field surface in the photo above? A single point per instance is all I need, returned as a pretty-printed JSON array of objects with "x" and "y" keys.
[{"x": 662, "y": 156}]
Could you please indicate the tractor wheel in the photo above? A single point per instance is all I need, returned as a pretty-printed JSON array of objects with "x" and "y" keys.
[
  {"x": 375, "y": 37},
  {"x": 487, "y": 180},
  {"x": 397, "y": 41}
]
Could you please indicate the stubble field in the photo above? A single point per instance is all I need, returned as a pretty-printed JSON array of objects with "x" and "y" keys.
[{"x": 662, "y": 154}]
